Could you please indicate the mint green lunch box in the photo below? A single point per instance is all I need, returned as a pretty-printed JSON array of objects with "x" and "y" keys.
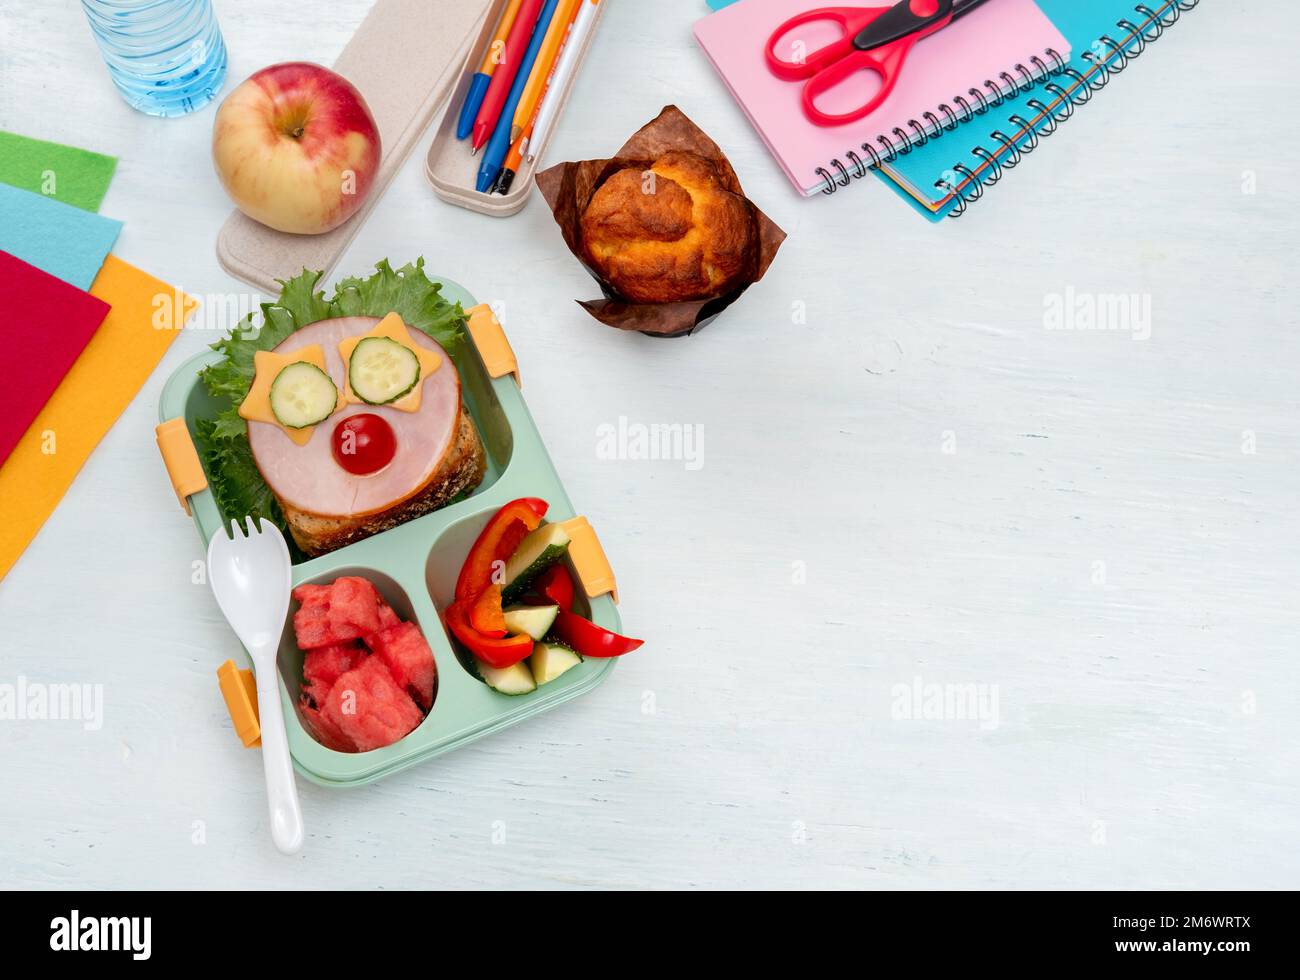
[{"x": 415, "y": 565}]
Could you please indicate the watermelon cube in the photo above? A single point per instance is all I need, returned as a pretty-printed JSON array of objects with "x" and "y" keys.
[
  {"x": 311, "y": 626},
  {"x": 325, "y": 731},
  {"x": 328, "y": 664},
  {"x": 369, "y": 709},
  {"x": 347, "y": 609},
  {"x": 324, "y": 665},
  {"x": 404, "y": 651},
  {"x": 353, "y": 609},
  {"x": 315, "y": 692},
  {"x": 308, "y": 594},
  {"x": 387, "y": 617}
]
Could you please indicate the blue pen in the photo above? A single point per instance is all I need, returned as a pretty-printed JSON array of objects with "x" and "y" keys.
[
  {"x": 494, "y": 154},
  {"x": 478, "y": 85}
]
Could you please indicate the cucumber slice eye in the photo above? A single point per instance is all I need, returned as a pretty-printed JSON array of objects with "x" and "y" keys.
[
  {"x": 302, "y": 395},
  {"x": 381, "y": 370}
]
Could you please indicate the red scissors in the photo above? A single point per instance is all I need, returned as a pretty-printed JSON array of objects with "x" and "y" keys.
[{"x": 876, "y": 39}]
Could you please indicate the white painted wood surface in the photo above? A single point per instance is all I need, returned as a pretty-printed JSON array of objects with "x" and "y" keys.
[{"x": 1099, "y": 546}]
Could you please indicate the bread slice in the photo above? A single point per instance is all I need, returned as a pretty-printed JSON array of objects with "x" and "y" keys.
[{"x": 462, "y": 468}]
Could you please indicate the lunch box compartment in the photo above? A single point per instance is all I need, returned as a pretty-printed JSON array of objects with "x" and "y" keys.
[
  {"x": 290, "y": 658},
  {"x": 443, "y": 568},
  {"x": 415, "y": 566}
]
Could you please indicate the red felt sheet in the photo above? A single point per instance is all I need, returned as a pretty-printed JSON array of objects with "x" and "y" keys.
[{"x": 44, "y": 325}]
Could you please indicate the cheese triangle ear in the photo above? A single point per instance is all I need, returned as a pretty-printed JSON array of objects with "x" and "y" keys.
[{"x": 392, "y": 328}]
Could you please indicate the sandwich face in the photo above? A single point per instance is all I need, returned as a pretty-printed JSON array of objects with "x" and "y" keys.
[
  {"x": 435, "y": 448},
  {"x": 341, "y": 415}
]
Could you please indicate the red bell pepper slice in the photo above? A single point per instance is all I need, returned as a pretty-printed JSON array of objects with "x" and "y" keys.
[
  {"x": 589, "y": 639},
  {"x": 493, "y": 651},
  {"x": 497, "y": 542},
  {"x": 556, "y": 584},
  {"x": 486, "y": 615}
]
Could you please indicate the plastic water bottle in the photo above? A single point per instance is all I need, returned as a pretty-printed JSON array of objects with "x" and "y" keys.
[{"x": 166, "y": 57}]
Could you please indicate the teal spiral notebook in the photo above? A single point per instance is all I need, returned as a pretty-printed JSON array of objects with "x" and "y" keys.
[
  {"x": 943, "y": 177},
  {"x": 949, "y": 163}
]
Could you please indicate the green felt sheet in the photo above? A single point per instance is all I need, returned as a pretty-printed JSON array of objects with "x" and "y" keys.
[{"x": 66, "y": 173}]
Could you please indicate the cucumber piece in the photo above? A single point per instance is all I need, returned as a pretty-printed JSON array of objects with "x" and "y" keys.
[
  {"x": 550, "y": 660},
  {"x": 302, "y": 395},
  {"x": 535, "y": 554},
  {"x": 381, "y": 370},
  {"x": 513, "y": 680},
  {"x": 533, "y": 620}
]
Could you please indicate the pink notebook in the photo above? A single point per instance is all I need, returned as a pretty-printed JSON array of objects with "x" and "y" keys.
[{"x": 973, "y": 53}]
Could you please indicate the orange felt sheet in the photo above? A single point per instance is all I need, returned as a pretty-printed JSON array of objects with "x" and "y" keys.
[{"x": 108, "y": 374}]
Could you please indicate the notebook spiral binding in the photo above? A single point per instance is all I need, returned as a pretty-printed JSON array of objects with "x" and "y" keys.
[
  {"x": 1108, "y": 58},
  {"x": 888, "y": 147}
]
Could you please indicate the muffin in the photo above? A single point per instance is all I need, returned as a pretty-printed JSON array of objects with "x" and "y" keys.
[{"x": 670, "y": 235}]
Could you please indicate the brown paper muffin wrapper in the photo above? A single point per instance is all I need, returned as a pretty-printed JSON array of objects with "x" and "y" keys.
[{"x": 568, "y": 188}]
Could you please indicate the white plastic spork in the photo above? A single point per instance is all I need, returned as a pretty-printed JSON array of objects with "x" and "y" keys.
[{"x": 250, "y": 576}]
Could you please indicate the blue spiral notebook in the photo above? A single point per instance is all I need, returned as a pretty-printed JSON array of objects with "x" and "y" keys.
[
  {"x": 943, "y": 177},
  {"x": 950, "y": 163}
]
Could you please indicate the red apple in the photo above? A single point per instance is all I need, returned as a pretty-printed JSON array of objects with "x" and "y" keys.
[{"x": 296, "y": 148}]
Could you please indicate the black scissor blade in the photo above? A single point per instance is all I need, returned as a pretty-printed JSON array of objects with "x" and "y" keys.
[
  {"x": 961, "y": 8},
  {"x": 898, "y": 22}
]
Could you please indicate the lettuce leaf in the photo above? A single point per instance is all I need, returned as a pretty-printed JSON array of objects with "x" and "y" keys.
[
  {"x": 407, "y": 292},
  {"x": 223, "y": 440},
  {"x": 236, "y": 484}
]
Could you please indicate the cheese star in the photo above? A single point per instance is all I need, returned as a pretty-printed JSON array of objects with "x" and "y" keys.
[
  {"x": 392, "y": 328},
  {"x": 267, "y": 364}
]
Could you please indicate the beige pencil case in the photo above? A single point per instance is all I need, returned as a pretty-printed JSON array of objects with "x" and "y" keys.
[
  {"x": 404, "y": 58},
  {"x": 452, "y": 169}
]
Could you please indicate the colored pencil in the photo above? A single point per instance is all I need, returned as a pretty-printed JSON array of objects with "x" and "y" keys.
[
  {"x": 499, "y": 145},
  {"x": 514, "y": 160},
  {"x": 535, "y": 88},
  {"x": 549, "y": 110},
  {"x": 478, "y": 85},
  {"x": 503, "y": 79}
]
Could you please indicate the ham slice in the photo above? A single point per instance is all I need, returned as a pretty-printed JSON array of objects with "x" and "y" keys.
[{"x": 308, "y": 478}]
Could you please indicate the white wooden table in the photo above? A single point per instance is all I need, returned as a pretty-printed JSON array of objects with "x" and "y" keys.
[{"x": 918, "y": 485}]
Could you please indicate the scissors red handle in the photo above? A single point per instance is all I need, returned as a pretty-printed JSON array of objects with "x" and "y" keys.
[{"x": 875, "y": 39}]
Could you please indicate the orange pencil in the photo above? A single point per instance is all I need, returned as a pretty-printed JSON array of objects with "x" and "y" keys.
[
  {"x": 492, "y": 56},
  {"x": 518, "y": 149},
  {"x": 483, "y": 77},
  {"x": 513, "y": 160},
  {"x": 547, "y": 55}
]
